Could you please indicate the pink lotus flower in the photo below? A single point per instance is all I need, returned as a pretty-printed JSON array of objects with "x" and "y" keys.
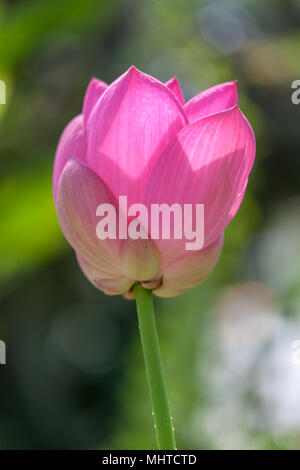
[{"x": 137, "y": 137}]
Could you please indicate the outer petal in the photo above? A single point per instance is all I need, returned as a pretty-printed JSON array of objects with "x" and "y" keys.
[
  {"x": 127, "y": 130},
  {"x": 94, "y": 91},
  {"x": 105, "y": 281},
  {"x": 189, "y": 271},
  {"x": 174, "y": 85},
  {"x": 213, "y": 100},
  {"x": 238, "y": 199},
  {"x": 71, "y": 144},
  {"x": 139, "y": 259},
  {"x": 208, "y": 163},
  {"x": 80, "y": 192}
]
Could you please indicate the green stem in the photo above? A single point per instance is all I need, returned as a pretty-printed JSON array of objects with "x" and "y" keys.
[{"x": 154, "y": 369}]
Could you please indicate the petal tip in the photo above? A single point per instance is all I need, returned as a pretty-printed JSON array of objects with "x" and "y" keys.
[
  {"x": 94, "y": 91},
  {"x": 133, "y": 71},
  {"x": 174, "y": 85},
  {"x": 173, "y": 81}
]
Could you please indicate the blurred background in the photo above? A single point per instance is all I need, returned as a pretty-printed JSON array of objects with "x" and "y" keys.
[{"x": 74, "y": 377}]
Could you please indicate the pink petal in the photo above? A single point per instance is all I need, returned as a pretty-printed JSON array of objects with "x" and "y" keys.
[
  {"x": 127, "y": 130},
  {"x": 213, "y": 100},
  {"x": 80, "y": 192},
  {"x": 208, "y": 163},
  {"x": 114, "y": 286},
  {"x": 71, "y": 144},
  {"x": 174, "y": 85},
  {"x": 189, "y": 271},
  {"x": 109, "y": 284},
  {"x": 94, "y": 91},
  {"x": 238, "y": 200}
]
